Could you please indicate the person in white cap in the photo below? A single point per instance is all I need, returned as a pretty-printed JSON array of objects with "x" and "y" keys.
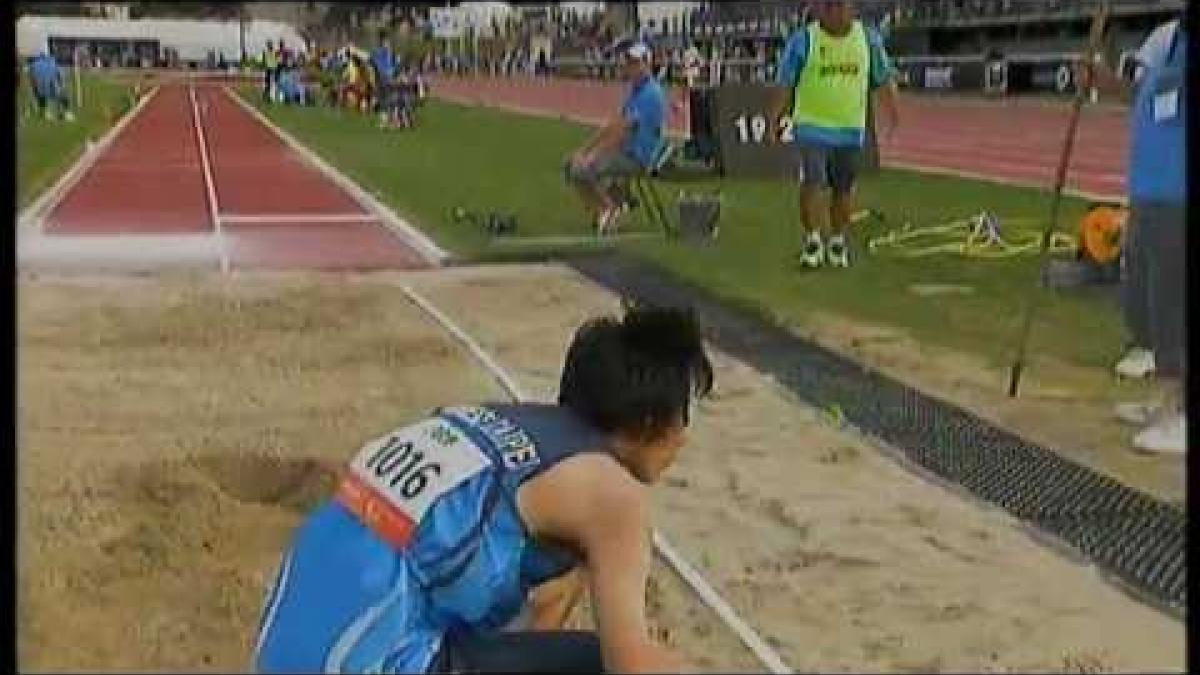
[{"x": 624, "y": 147}]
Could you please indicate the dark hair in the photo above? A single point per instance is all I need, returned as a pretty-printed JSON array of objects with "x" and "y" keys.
[{"x": 637, "y": 374}]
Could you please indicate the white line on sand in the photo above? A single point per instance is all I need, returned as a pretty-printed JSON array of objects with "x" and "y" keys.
[
  {"x": 268, "y": 218},
  {"x": 410, "y": 235},
  {"x": 707, "y": 593},
  {"x": 121, "y": 252},
  {"x": 31, "y": 219},
  {"x": 209, "y": 188}
]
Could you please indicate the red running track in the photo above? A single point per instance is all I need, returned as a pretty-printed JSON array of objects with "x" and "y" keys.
[
  {"x": 268, "y": 208},
  {"x": 1007, "y": 140}
]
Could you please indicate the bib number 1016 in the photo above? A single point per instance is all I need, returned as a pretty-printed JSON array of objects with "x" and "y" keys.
[
  {"x": 753, "y": 129},
  {"x": 401, "y": 465}
]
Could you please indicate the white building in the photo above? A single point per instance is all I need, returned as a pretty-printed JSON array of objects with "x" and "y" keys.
[
  {"x": 192, "y": 40},
  {"x": 659, "y": 13}
]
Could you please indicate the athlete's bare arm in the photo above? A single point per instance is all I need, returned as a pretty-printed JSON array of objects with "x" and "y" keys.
[
  {"x": 887, "y": 102},
  {"x": 608, "y": 138},
  {"x": 552, "y": 603},
  {"x": 592, "y": 501}
]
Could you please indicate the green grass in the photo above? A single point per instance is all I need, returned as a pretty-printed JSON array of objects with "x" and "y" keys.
[
  {"x": 45, "y": 149},
  {"x": 487, "y": 159}
]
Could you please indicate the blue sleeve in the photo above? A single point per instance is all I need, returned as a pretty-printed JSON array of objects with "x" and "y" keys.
[
  {"x": 881, "y": 66},
  {"x": 647, "y": 108},
  {"x": 632, "y": 110},
  {"x": 795, "y": 54}
]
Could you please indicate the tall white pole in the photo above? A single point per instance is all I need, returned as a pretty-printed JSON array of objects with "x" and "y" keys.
[{"x": 78, "y": 84}]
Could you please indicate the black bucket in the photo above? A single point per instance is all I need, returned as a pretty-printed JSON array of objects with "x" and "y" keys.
[{"x": 699, "y": 216}]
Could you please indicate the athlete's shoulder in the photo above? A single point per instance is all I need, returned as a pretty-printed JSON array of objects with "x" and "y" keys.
[{"x": 578, "y": 491}]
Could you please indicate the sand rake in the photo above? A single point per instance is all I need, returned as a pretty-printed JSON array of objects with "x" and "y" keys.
[{"x": 1035, "y": 294}]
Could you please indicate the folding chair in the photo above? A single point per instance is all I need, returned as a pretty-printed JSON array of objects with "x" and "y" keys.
[{"x": 646, "y": 190}]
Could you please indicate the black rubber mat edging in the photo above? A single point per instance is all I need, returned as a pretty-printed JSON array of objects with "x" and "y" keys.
[{"x": 1138, "y": 539}]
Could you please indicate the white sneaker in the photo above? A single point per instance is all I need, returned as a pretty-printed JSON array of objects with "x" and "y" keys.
[
  {"x": 839, "y": 252},
  {"x": 813, "y": 254},
  {"x": 1168, "y": 436},
  {"x": 1136, "y": 364},
  {"x": 1139, "y": 414}
]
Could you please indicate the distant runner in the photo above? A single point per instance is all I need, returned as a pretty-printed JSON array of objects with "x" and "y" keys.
[{"x": 461, "y": 543}]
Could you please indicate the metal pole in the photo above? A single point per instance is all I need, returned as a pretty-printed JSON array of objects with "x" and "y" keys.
[
  {"x": 78, "y": 83},
  {"x": 1018, "y": 366},
  {"x": 242, "y": 33}
]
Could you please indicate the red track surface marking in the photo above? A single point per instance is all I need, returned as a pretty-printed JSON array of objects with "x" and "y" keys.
[
  {"x": 149, "y": 179},
  {"x": 331, "y": 246},
  {"x": 255, "y": 172},
  {"x": 1010, "y": 140},
  {"x": 283, "y": 213}
]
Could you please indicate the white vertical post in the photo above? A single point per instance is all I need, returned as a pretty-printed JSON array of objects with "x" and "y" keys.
[{"x": 78, "y": 83}]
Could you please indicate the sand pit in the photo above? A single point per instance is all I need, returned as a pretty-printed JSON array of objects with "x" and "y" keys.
[
  {"x": 842, "y": 559},
  {"x": 172, "y": 432}
]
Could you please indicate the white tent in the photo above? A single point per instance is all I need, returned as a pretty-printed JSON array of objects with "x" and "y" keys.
[{"x": 191, "y": 39}]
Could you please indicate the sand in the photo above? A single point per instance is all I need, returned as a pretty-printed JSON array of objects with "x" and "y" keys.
[{"x": 172, "y": 431}]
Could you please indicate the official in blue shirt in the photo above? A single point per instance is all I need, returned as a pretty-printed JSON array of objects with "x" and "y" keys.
[
  {"x": 626, "y": 146},
  {"x": 1153, "y": 251},
  {"x": 383, "y": 60},
  {"x": 46, "y": 79}
]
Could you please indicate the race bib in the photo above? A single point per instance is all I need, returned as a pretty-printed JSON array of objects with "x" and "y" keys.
[
  {"x": 393, "y": 481},
  {"x": 1166, "y": 105}
]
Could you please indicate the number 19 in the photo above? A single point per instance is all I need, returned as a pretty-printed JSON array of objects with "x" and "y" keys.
[{"x": 756, "y": 129}]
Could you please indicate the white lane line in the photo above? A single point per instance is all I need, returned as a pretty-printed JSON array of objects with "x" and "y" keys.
[
  {"x": 267, "y": 218},
  {"x": 32, "y": 219},
  {"x": 567, "y": 240},
  {"x": 415, "y": 238},
  {"x": 210, "y": 190},
  {"x": 918, "y": 167},
  {"x": 768, "y": 656}
]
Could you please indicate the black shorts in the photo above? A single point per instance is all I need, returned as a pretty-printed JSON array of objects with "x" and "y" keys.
[{"x": 521, "y": 652}]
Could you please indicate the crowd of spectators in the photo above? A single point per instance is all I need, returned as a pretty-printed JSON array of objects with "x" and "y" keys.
[
  {"x": 349, "y": 78},
  {"x": 927, "y": 11}
]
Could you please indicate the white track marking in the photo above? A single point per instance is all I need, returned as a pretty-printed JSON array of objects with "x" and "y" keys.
[
  {"x": 267, "y": 218},
  {"x": 125, "y": 252},
  {"x": 410, "y": 235},
  {"x": 210, "y": 190},
  {"x": 769, "y": 657},
  {"x": 32, "y": 218},
  {"x": 1015, "y": 182},
  {"x": 567, "y": 240}
]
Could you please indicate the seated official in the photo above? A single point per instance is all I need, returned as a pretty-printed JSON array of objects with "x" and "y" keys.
[{"x": 625, "y": 147}]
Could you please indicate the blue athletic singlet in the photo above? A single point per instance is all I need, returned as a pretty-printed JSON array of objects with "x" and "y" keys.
[{"x": 422, "y": 538}]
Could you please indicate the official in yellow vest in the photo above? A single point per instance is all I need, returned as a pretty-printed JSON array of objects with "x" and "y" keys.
[
  {"x": 270, "y": 64},
  {"x": 828, "y": 69}
]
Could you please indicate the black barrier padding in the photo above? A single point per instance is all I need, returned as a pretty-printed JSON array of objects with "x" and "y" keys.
[
  {"x": 746, "y": 147},
  {"x": 1133, "y": 535},
  {"x": 935, "y": 74}
]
